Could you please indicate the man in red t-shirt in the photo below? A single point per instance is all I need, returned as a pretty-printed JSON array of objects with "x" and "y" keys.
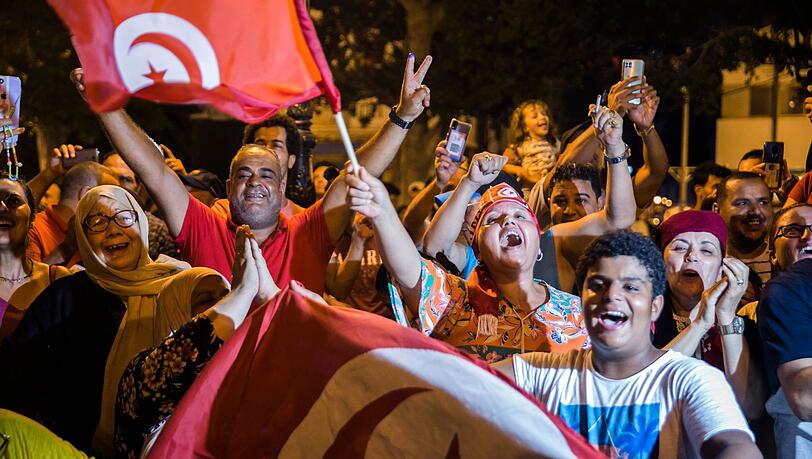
[{"x": 295, "y": 248}]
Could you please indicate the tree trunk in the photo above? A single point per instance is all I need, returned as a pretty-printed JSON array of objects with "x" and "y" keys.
[{"x": 416, "y": 156}]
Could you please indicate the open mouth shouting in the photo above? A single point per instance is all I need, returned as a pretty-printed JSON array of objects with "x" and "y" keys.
[
  {"x": 612, "y": 320},
  {"x": 690, "y": 274},
  {"x": 805, "y": 252},
  {"x": 510, "y": 237},
  {"x": 6, "y": 223}
]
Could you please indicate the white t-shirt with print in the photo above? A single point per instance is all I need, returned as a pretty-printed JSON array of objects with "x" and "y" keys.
[{"x": 673, "y": 406}]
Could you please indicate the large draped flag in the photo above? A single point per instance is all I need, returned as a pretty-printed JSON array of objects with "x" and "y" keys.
[
  {"x": 248, "y": 58},
  {"x": 301, "y": 379}
]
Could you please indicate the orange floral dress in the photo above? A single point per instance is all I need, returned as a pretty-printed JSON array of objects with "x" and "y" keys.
[{"x": 445, "y": 312}]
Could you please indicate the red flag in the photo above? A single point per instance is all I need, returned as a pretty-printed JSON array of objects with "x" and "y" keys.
[
  {"x": 248, "y": 58},
  {"x": 300, "y": 379}
]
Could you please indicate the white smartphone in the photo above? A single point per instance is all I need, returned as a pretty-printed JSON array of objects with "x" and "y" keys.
[
  {"x": 633, "y": 68},
  {"x": 10, "y": 93},
  {"x": 457, "y": 136}
]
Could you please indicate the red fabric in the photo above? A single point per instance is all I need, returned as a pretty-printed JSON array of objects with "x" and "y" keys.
[
  {"x": 186, "y": 52},
  {"x": 690, "y": 221},
  {"x": 299, "y": 249},
  {"x": 802, "y": 191},
  {"x": 300, "y": 379},
  {"x": 47, "y": 233}
]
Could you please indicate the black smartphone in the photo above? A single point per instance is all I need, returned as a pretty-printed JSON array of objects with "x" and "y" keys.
[
  {"x": 85, "y": 154},
  {"x": 773, "y": 159},
  {"x": 457, "y": 136}
]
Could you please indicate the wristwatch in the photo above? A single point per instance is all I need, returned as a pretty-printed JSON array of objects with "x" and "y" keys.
[
  {"x": 618, "y": 159},
  {"x": 733, "y": 328},
  {"x": 398, "y": 121}
]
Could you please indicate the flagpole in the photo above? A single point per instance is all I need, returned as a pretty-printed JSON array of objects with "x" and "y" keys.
[{"x": 345, "y": 138}]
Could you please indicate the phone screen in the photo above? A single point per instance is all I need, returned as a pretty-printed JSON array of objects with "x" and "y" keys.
[
  {"x": 10, "y": 95},
  {"x": 457, "y": 136}
]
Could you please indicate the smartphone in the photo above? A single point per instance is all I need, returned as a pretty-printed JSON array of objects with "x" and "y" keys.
[
  {"x": 10, "y": 94},
  {"x": 773, "y": 159},
  {"x": 457, "y": 136},
  {"x": 633, "y": 68},
  {"x": 86, "y": 154}
]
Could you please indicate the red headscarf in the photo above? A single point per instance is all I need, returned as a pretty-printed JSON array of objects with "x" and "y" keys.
[{"x": 694, "y": 221}]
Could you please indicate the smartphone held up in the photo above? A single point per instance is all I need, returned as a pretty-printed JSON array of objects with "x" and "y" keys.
[
  {"x": 773, "y": 158},
  {"x": 633, "y": 68},
  {"x": 86, "y": 154},
  {"x": 457, "y": 136}
]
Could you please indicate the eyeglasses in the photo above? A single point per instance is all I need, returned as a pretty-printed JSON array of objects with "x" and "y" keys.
[
  {"x": 99, "y": 222},
  {"x": 793, "y": 231},
  {"x": 4, "y": 441}
]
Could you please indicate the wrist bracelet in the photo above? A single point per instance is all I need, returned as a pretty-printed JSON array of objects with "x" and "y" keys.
[
  {"x": 398, "y": 121},
  {"x": 627, "y": 152},
  {"x": 645, "y": 132}
]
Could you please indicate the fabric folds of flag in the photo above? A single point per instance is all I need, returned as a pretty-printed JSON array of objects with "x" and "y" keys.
[
  {"x": 301, "y": 379},
  {"x": 247, "y": 58}
]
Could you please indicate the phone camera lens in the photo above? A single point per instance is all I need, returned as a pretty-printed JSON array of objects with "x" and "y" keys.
[{"x": 454, "y": 124}]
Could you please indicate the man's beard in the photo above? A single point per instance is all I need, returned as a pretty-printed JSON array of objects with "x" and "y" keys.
[
  {"x": 258, "y": 217},
  {"x": 746, "y": 241}
]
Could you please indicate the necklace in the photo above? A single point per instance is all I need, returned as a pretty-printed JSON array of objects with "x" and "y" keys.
[
  {"x": 17, "y": 280},
  {"x": 14, "y": 280}
]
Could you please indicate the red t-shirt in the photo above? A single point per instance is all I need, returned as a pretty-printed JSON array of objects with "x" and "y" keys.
[
  {"x": 802, "y": 191},
  {"x": 299, "y": 249},
  {"x": 47, "y": 233}
]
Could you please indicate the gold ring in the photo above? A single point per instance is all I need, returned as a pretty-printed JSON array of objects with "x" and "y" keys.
[
  {"x": 613, "y": 121},
  {"x": 487, "y": 157}
]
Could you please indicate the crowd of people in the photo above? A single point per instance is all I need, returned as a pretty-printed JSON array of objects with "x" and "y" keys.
[{"x": 678, "y": 339}]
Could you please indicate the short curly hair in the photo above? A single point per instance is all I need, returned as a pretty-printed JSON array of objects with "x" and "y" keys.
[
  {"x": 516, "y": 129},
  {"x": 294, "y": 138},
  {"x": 625, "y": 243},
  {"x": 575, "y": 171}
]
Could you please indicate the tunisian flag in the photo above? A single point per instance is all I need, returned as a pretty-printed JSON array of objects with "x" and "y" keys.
[
  {"x": 301, "y": 379},
  {"x": 248, "y": 58}
]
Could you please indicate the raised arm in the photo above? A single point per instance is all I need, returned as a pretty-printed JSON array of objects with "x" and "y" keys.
[
  {"x": 419, "y": 209},
  {"x": 53, "y": 170},
  {"x": 655, "y": 160},
  {"x": 146, "y": 160},
  {"x": 341, "y": 276},
  {"x": 445, "y": 227},
  {"x": 368, "y": 196},
  {"x": 620, "y": 209},
  {"x": 378, "y": 152}
]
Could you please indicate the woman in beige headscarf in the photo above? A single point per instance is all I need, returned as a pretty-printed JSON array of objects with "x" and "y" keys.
[{"x": 69, "y": 351}]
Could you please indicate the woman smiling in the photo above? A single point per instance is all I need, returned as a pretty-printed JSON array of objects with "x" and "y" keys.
[
  {"x": 71, "y": 348},
  {"x": 21, "y": 279}
]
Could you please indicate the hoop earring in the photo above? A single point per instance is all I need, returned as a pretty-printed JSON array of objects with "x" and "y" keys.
[{"x": 541, "y": 255}]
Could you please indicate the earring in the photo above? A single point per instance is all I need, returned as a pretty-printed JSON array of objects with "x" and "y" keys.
[{"x": 541, "y": 255}]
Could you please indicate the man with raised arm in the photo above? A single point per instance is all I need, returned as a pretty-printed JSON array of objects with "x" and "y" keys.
[
  {"x": 561, "y": 245},
  {"x": 297, "y": 248}
]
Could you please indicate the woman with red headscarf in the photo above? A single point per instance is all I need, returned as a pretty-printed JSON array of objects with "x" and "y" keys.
[
  {"x": 703, "y": 293},
  {"x": 500, "y": 309}
]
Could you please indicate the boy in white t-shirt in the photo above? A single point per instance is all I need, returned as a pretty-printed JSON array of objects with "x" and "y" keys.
[{"x": 628, "y": 398}]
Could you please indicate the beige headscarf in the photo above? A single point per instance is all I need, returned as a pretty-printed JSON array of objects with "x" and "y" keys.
[{"x": 149, "y": 318}]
